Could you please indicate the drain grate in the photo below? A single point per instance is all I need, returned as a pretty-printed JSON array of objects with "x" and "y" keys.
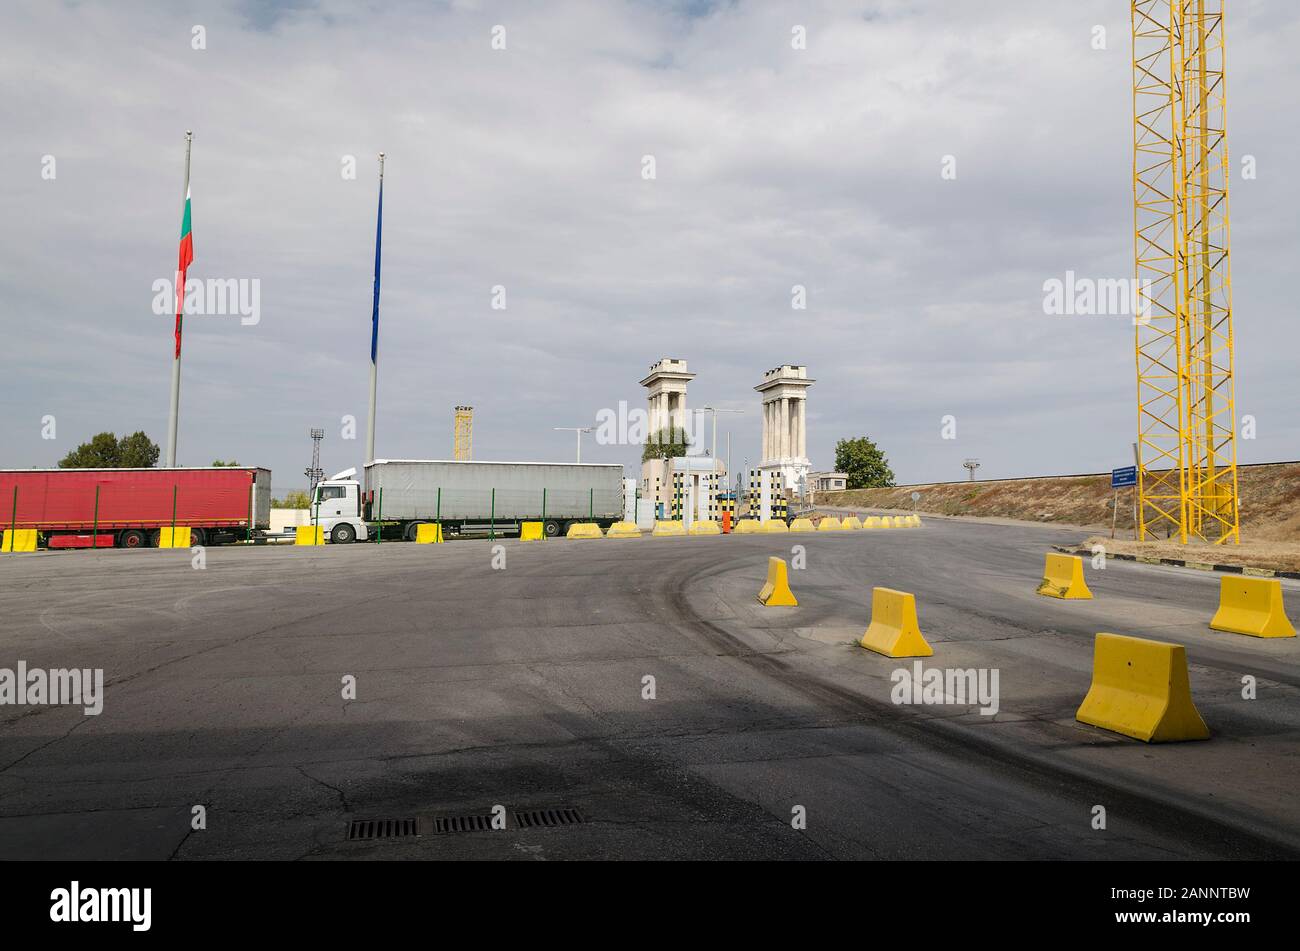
[
  {"x": 450, "y": 825},
  {"x": 546, "y": 818},
  {"x": 359, "y": 829}
]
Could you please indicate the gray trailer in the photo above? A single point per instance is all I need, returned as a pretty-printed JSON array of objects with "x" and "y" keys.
[{"x": 481, "y": 498}]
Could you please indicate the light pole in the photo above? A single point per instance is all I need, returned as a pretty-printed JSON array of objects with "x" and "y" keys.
[
  {"x": 578, "y": 430},
  {"x": 715, "y": 411}
]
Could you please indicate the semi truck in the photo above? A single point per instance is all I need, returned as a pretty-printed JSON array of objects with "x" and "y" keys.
[
  {"x": 465, "y": 498},
  {"x": 127, "y": 508}
]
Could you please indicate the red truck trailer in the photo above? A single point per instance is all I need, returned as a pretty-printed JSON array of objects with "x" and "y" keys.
[{"x": 126, "y": 508}]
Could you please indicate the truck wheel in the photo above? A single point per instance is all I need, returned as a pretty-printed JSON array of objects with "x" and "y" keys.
[
  {"x": 343, "y": 534},
  {"x": 131, "y": 538},
  {"x": 197, "y": 537},
  {"x": 155, "y": 538},
  {"x": 412, "y": 530},
  {"x": 551, "y": 528}
]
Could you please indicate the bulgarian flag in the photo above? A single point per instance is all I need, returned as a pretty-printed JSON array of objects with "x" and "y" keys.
[{"x": 182, "y": 266}]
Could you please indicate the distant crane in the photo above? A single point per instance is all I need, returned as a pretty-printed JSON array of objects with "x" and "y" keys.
[
  {"x": 1187, "y": 436},
  {"x": 462, "y": 440}
]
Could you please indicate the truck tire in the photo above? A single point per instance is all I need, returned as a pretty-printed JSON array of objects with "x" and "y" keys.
[
  {"x": 197, "y": 537},
  {"x": 412, "y": 530},
  {"x": 551, "y": 528},
  {"x": 343, "y": 534},
  {"x": 132, "y": 538}
]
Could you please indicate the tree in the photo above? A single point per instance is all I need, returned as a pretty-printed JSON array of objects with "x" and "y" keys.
[
  {"x": 862, "y": 461},
  {"x": 218, "y": 464},
  {"x": 294, "y": 500},
  {"x": 666, "y": 444},
  {"x": 106, "y": 451}
]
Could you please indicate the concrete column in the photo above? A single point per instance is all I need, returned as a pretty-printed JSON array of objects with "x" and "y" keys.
[
  {"x": 804, "y": 430},
  {"x": 767, "y": 429},
  {"x": 784, "y": 429}
]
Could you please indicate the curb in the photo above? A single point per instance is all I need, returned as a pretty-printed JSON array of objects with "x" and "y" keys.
[{"x": 1181, "y": 563}]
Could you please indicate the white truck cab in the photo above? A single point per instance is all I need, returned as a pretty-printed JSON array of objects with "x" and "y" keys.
[{"x": 336, "y": 508}]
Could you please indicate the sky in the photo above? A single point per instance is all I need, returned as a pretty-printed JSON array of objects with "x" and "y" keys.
[{"x": 523, "y": 169}]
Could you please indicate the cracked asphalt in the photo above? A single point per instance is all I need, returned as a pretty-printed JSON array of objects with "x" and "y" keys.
[{"x": 526, "y": 687}]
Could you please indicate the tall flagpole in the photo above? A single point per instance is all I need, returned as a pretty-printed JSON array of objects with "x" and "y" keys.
[
  {"x": 374, "y": 320},
  {"x": 173, "y": 414}
]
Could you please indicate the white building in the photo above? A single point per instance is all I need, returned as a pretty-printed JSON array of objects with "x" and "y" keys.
[{"x": 785, "y": 428}]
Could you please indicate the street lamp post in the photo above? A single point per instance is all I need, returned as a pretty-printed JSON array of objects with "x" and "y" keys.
[{"x": 578, "y": 431}]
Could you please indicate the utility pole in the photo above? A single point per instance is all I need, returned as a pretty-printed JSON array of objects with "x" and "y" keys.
[
  {"x": 971, "y": 465},
  {"x": 578, "y": 430}
]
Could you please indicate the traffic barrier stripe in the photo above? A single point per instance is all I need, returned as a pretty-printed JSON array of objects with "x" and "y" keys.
[
  {"x": 829, "y": 524},
  {"x": 309, "y": 535},
  {"x": 1252, "y": 606},
  {"x": 584, "y": 530},
  {"x": 1140, "y": 689},
  {"x": 802, "y": 525},
  {"x": 1063, "y": 578},
  {"x": 623, "y": 530},
  {"x": 18, "y": 540},
  {"x": 668, "y": 528},
  {"x": 894, "y": 631},
  {"x": 430, "y": 533},
  {"x": 776, "y": 590},
  {"x": 174, "y": 537}
]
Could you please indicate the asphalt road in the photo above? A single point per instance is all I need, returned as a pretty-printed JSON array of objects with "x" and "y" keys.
[{"x": 523, "y": 687}]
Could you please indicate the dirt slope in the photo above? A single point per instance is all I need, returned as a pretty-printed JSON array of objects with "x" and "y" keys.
[{"x": 1270, "y": 500}]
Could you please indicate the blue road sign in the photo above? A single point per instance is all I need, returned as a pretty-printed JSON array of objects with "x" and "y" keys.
[{"x": 1119, "y": 478}]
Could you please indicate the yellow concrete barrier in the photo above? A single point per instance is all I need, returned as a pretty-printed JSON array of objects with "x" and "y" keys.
[
  {"x": 705, "y": 527},
  {"x": 309, "y": 535},
  {"x": 776, "y": 590},
  {"x": 668, "y": 528},
  {"x": 1252, "y": 606},
  {"x": 584, "y": 530},
  {"x": 1063, "y": 578},
  {"x": 851, "y": 524},
  {"x": 431, "y": 533},
  {"x": 174, "y": 537},
  {"x": 623, "y": 530},
  {"x": 894, "y": 631},
  {"x": 830, "y": 524},
  {"x": 531, "y": 531},
  {"x": 1140, "y": 689},
  {"x": 916, "y": 521},
  {"x": 18, "y": 540},
  {"x": 748, "y": 526},
  {"x": 872, "y": 521},
  {"x": 776, "y": 526},
  {"x": 802, "y": 525}
]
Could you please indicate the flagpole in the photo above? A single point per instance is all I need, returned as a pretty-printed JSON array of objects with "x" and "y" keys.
[
  {"x": 174, "y": 413},
  {"x": 374, "y": 320}
]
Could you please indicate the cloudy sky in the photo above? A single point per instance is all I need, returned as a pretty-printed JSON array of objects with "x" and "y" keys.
[{"x": 523, "y": 168}]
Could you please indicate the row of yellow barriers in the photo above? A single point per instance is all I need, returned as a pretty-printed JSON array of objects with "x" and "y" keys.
[
  {"x": 1140, "y": 687},
  {"x": 532, "y": 531}
]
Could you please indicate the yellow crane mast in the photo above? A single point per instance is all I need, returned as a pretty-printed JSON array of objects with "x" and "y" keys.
[{"x": 1187, "y": 447}]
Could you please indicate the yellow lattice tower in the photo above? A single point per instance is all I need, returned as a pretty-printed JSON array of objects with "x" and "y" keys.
[
  {"x": 1187, "y": 459},
  {"x": 462, "y": 445}
]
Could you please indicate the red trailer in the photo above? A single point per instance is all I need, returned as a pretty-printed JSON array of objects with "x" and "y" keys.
[{"x": 126, "y": 508}]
